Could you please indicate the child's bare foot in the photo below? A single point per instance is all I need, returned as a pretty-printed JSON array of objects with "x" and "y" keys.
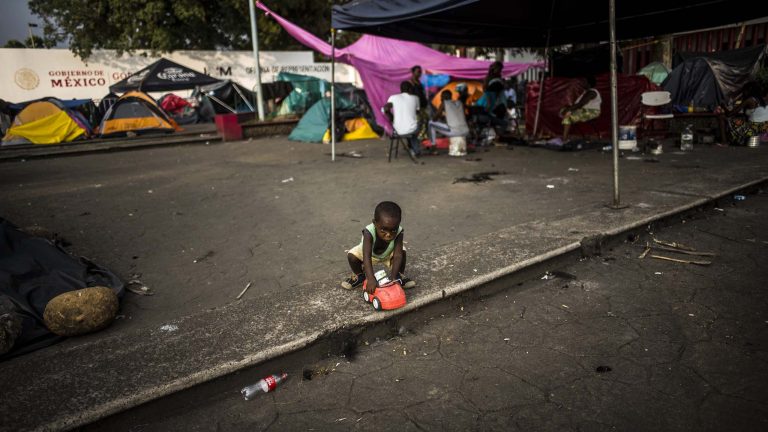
[{"x": 353, "y": 281}]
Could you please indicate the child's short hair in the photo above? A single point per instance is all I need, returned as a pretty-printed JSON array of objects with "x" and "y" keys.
[
  {"x": 387, "y": 208},
  {"x": 446, "y": 95}
]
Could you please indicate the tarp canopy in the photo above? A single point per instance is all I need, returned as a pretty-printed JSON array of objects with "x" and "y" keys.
[
  {"x": 163, "y": 75},
  {"x": 228, "y": 97},
  {"x": 590, "y": 61},
  {"x": 531, "y": 23},
  {"x": 709, "y": 80},
  {"x": 383, "y": 63}
]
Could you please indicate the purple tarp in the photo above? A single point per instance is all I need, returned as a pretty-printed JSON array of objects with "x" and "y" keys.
[{"x": 384, "y": 63}]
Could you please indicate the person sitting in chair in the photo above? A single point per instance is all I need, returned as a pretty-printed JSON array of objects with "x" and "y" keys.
[
  {"x": 586, "y": 107},
  {"x": 402, "y": 110},
  {"x": 452, "y": 112}
]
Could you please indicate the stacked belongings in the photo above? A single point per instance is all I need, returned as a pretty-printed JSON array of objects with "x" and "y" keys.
[
  {"x": 181, "y": 111},
  {"x": 46, "y": 121},
  {"x": 135, "y": 113}
]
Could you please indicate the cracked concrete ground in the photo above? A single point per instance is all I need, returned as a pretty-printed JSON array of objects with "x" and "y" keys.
[{"x": 611, "y": 343}]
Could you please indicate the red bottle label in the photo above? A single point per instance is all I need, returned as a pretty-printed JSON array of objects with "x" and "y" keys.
[{"x": 271, "y": 383}]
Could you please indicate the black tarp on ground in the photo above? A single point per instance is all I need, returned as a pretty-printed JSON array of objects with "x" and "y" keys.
[
  {"x": 163, "y": 75},
  {"x": 507, "y": 23},
  {"x": 709, "y": 80},
  {"x": 32, "y": 272}
]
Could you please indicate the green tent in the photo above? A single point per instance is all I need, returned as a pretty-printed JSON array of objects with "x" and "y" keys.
[
  {"x": 307, "y": 90},
  {"x": 317, "y": 120},
  {"x": 655, "y": 72}
]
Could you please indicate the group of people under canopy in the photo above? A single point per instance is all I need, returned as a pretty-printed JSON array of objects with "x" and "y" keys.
[{"x": 454, "y": 111}]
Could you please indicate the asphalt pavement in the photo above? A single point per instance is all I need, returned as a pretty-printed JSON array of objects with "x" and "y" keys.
[
  {"x": 609, "y": 343},
  {"x": 197, "y": 224}
]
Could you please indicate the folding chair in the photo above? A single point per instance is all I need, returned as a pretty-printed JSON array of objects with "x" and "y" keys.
[
  {"x": 395, "y": 140},
  {"x": 656, "y": 110}
]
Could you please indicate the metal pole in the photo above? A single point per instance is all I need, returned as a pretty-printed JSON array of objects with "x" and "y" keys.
[
  {"x": 543, "y": 73},
  {"x": 614, "y": 106},
  {"x": 333, "y": 94},
  {"x": 31, "y": 37},
  {"x": 255, "y": 41}
]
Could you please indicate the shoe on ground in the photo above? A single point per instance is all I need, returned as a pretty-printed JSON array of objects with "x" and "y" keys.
[
  {"x": 407, "y": 283},
  {"x": 353, "y": 281}
]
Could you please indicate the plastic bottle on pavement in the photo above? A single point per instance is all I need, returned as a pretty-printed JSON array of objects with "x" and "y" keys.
[
  {"x": 686, "y": 138},
  {"x": 266, "y": 385}
]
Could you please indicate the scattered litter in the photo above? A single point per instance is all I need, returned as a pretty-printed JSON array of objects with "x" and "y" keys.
[
  {"x": 475, "y": 270},
  {"x": 645, "y": 252},
  {"x": 350, "y": 154},
  {"x": 673, "y": 244},
  {"x": 633, "y": 158},
  {"x": 341, "y": 419},
  {"x": 117, "y": 317},
  {"x": 149, "y": 191},
  {"x": 719, "y": 209},
  {"x": 265, "y": 384},
  {"x": 288, "y": 180},
  {"x": 204, "y": 257},
  {"x": 603, "y": 369},
  {"x": 548, "y": 276},
  {"x": 690, "y": 315},
  {"x": 565, "y": 306},
  {"x": 573, "y": 169},
  {"x": 506, "y": 339},
  {"x": 478, "y": 178},
  {"x": 658, "y": 273},
  {"x": 739, "y": 197},
  {"x": 644, "y": 205},
  {"x": 550, "y": 186},
  {"x": 563, "y": 275},
  {"x": 169, "y": 328},
  {"x": 137, "y": 287},
  {"x": 243, "y": 291}
]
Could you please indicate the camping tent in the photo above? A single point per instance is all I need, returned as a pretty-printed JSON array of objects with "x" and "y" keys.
[
  {"x": 45, "y": 122},
  {"x": 709, "y": 80},
  {"x": 384, "y": 63},
  {"x": 163, "y": 75},
  {"x": 135, "y": 112},
  {"x": 307, "y": 90},
  {"x": 474, "y": 90},
  {"x": 228, "y": 97},
  {"x": 656, "y": 72},
  {"x": 352, "y": 112}
]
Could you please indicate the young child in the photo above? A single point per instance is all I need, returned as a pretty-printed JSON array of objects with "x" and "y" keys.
[{"x": 382, "y": 242}]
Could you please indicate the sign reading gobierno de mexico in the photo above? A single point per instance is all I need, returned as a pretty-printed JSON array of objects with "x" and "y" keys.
[{"x": 35, "y": 73}]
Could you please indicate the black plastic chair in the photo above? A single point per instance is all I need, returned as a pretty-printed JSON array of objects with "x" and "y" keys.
[{"x": 396, "y": 140}]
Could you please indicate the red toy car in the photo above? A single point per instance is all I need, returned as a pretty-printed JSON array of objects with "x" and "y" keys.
[{"x": 386, "y": 297}]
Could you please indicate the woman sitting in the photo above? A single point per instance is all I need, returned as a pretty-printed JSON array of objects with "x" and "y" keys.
[{"x": 749, "y": 117}]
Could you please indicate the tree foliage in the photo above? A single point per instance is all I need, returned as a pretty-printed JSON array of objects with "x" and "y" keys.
[{"x": 167, "y": 25}]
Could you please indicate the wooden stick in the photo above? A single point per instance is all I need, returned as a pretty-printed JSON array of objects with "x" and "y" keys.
[
  {"x": 645, "y": 252},
  {"x": 681, "y": 251},
  {"x": 701, "y": 263},
  {"x": 673, "y": 245},
  {"x": 243, "y": 291}
]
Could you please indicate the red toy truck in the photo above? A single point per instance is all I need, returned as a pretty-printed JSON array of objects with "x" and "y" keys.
[{"x": 387, "y": 296}]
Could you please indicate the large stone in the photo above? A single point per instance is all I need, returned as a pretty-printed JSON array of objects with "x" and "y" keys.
[{"x": 82, "y": 311}]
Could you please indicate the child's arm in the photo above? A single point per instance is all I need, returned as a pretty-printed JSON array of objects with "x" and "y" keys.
[
  {"x": 397, "y": 258},
  {"x": 367, "y": 263}
]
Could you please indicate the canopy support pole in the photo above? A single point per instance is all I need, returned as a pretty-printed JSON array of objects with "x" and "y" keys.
[
  {"x": 543, "y": 74},
  {"x": 255, "y": 41},
  {"x": 333, "y": 94},
  {"x": 614, "y": 107}
]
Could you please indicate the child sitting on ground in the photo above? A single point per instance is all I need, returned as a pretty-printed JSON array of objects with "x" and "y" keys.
[{"x": 382, "y": 242}]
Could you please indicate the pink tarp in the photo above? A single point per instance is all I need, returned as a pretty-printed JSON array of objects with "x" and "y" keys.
[{"x": 384, "y": 63}]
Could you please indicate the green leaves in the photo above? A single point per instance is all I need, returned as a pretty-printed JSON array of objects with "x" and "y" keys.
[{"x": 166, "y": 25}]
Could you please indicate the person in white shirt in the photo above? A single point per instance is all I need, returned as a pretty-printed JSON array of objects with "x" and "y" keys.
[
  {"x": 402, "y": 110},
  {"x": 586, "y": 107}
]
